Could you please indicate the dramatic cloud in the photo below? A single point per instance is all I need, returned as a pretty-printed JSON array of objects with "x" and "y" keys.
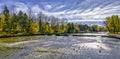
[{"x": 73, "y": 10}]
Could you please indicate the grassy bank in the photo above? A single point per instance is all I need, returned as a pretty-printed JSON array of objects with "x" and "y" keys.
[{"x": 18, "y": 39}]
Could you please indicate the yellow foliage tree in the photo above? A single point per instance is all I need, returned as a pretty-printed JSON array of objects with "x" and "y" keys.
[
  {"x": 34, "y": 28},
  {"x": 2, "y": 21},
  {"x": 48, "y": 29}
]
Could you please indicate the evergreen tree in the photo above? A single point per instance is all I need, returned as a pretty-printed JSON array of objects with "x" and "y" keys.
[{"x": 6, "y": 21}]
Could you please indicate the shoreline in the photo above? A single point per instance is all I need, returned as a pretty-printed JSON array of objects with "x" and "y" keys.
[
  {"x": 65, "y": 34},
  {"x": 16, "y": 35}
]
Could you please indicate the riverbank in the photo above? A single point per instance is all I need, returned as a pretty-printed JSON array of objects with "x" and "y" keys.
[
  {"x": 20, "y": 35},
  {"x": 114, "y": 36},
  {"x": 66, "y": 34},
  {"x": 26, "y": 37},
  {"x": 56, "y": 34}
]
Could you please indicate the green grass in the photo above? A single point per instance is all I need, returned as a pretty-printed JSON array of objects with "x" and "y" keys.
[{"x": 18, "y": 39}]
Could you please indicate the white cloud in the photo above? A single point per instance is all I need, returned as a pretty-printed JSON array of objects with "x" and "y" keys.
[
  {"x": 21, "y": 7},
  {"x": 87, "y": 10},
  {"x": 59, "y": 7},
  {"x": 85, "y": 20},
  {"x": 94, "y": 13},
  {"x": 48, "y": 6},
  {"x": 35, "y": 10}
]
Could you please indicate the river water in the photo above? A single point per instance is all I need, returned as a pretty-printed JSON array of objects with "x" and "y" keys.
[{"x": 62, "y": 47}]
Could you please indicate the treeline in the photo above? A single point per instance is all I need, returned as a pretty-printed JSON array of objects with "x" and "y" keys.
[
  {"x": 93, "y": 28},
  {"x": 112, "y": 24},
  {"x": 26, "y": 24},
  {"x": 22, "y": 23}
]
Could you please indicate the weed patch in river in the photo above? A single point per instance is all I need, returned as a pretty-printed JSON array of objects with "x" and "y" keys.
[{"x": 59, "y": 51}]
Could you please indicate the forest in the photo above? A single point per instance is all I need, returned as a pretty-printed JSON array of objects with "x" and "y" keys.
[{"x": 21, "y": 23}]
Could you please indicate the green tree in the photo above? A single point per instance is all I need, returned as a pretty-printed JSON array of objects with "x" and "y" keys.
[
  {"x": 15, "y": 24},
  {"x": 72, "y": 28},
  {"x": 103, "y": 29},
  {"x": 24, "y": 22},
  {"x": 95, "y": 28},
  {"x": 113, "y": 24}
]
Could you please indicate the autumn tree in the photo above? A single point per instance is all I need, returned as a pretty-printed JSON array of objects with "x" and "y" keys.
[
  {"x": 6, "y": 21},
  {"x": 113, "y": 24},
  {"x": 24, "y": 23},
  {"x": 34, "y": 28}
]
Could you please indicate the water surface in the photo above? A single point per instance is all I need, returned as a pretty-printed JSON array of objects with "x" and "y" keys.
[{"x": 61, "y": 47}]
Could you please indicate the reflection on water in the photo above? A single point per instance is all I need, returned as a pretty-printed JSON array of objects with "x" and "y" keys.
[{"x": 61, "y": 47}]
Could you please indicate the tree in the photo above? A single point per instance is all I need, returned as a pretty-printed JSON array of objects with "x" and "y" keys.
[
  {"x": 85, "y": 28},
  {"x": 113, "y": 24},
  {"x": 6, "y": 21},
  {"x": 72, "y": 28},
  {"x": 40, "y": 18},
  {"x": 24, "y": 22},
  {"x": 95, "y": 28},
  {"x": 34, "y": 28},
  {"x": 1, "y": 26},
  {"x": 47, "y": 29},
  {"x": 76, "y": 28},
  {"x": 15, "y": 24},
  {"x": 103, "y": 29},
  {"x": 58, "y": 29}
]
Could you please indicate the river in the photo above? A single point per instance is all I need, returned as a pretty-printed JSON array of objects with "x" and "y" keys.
[{"x": 62, "y": 47}]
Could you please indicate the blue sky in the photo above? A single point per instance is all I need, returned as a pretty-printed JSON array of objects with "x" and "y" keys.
[{"x": 94, "y": 11}]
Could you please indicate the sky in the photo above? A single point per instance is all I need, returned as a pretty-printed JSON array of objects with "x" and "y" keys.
[{"x": 77, "y": 11}]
